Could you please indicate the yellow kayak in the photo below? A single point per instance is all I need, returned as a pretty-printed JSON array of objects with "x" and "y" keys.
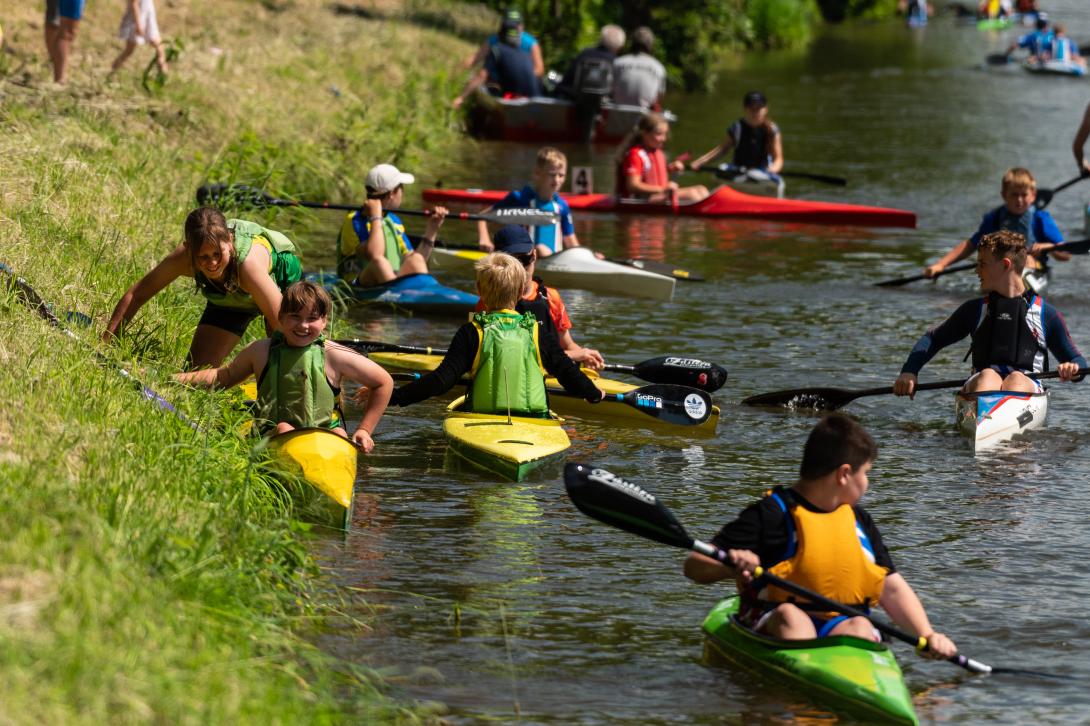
[
  {"x": 562, "y": 404},
  {"x": 511, "y": 446},
  {"x": 328, "y": 462}
]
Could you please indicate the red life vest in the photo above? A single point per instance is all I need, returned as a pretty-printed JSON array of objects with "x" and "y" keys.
[{"x": 651, "y": 166}]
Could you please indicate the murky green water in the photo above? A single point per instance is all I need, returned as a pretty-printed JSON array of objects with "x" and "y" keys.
[{"x": 503, "y": 602}]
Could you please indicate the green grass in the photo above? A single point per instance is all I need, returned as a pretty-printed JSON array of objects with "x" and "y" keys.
[{"x": 150, "y": 572}]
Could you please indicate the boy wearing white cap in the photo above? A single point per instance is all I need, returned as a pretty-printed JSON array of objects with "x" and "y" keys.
[{"x": 373, "y": 247}]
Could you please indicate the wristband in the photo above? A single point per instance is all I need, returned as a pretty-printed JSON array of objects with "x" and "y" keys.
[{"x": 374, "y": 219}]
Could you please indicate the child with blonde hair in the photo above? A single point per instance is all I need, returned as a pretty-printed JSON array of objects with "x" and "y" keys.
[{"x": 507, "y": 354}]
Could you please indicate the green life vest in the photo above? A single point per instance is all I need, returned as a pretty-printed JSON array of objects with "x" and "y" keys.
[
  {"x": 284, "y": 268},
  {"x": 355, "y": 232},
  {"x": 507, "y": 371},
  {"x": 293, "y": 388}
]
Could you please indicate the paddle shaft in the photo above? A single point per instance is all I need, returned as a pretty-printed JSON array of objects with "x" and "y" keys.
[
  {"x": 897, "y": 282},
  {"x": 30, "y": 297},
  {"x": 826, "y": 178}
]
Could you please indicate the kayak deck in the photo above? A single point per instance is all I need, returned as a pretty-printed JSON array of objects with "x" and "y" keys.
[
  {"x": 325, "y": 460},
  {"x": 510, "y": 446},
  {"x": 614, "y": 410},
  {"x": 849, "y": 674},
  {"x": 722, "y": 202}
]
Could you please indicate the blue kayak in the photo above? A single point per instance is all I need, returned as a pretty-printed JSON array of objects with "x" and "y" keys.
[{"x": 416, "y": 293}]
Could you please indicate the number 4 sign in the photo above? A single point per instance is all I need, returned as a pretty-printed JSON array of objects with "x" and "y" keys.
[{"x": 582, "y": 180}]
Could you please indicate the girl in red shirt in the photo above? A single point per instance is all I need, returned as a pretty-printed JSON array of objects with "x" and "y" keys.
[{"x": 642, "y": 169}]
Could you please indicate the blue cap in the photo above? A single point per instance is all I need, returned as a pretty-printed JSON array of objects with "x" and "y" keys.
[{"x": 514, "y": 240}]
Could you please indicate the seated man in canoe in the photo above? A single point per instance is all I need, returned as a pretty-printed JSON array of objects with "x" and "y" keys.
[
  {"x": 550, "y": 170},
  {"x": 816, "y": 535},
  {"x": 372, "y": 247},
  {"x": 1018, "y": 214},
  {"x": 299, "y": 372},
  {"x": 642, "y": 171},
  {"x": 240, "y": 267},
  {"x": 507, "y": 354},
  {"x": 543, "y": 302},
  {"x": 1012, "y": 329},
  {"x": 508, "y": 69}
]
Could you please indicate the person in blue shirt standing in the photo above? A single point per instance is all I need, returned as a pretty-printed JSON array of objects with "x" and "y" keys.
[
  {"x": 1017, "y": 214},
  {"x": 506, "y": 66},
  {"x": 527, "y": 43},
  {"x": 550, "y": 170}
]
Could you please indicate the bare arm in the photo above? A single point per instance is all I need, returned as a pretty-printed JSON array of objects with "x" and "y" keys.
[
  {"x": 1080, "y": 141},
  {"x": 960, "y": 251},
  {"x": 477, "y": 58},
  {"x": 589, "y": 357},
  {"x": 253, "y": 277},
  {"x": 777, "y": 154},
  {"x": 569, "y": 241},
  {"x": 539, "y": 63},
  {"x": 703, "y": 569},
  {"x": 173, "y": 266},
  {"x": 349, "y": 364},
  {"x": 483, "y": 240},
  {"x": 242, "y": 367},
  {"x": 472, "y": 85},
  {"x": 376, "y": 239},
  {"x": 638, "y": 185},
  {"x": 904, "y": 608}
]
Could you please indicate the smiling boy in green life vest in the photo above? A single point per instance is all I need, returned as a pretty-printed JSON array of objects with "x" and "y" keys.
[
  {"x": 372, "y": 247},
  {"x": 506, "y": 353},
  {"x": 299, "y": 372},
  {"x": 816, "y": 535}
]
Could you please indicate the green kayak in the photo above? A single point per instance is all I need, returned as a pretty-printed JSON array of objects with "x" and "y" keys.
[{"x": 853, "y": 675}]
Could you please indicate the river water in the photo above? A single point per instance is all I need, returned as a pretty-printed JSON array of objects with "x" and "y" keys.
[{"x": 504, "y": 603}]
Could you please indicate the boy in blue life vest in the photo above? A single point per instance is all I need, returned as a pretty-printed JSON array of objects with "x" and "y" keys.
[
  {"x": 372, "y": 247},
  {"x": 1018, "y": 214},
  {"x": 506, "y": 353},
  {"x": 1038, "y": 43},
  {"x": 1012, "y": 329},
  {"x": 299, "y": 372},
  {"x": 816, "y": 535},
  {"x": 550, "y": 170}
]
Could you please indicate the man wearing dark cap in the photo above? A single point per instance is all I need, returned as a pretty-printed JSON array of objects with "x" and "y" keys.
[
  {"x": 638, "y": 78},
  {"x": 527, "y": 43},
  {"x": 545, "y": 303}
]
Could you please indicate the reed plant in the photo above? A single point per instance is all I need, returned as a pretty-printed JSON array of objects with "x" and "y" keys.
[{"x": 150, "y": 572}]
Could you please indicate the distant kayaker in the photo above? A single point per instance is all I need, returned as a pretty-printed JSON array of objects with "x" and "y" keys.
[
  {"x": 755, "y": 138},
  {"x": 240, "y": 267},
  {"x": 372, "y": 247},
  {"x": 508, "y": 69},
  {"x": 994, "y": 9},
  {"x": 550, "y": 170},
  {"x": 528, "y": 44},
  {"x": 299, "y": 373},
  {"x": 507, "y": 354},
  {"x": 543, "y": 302},
  {"x": 1012, "y": 329},
  {"x": 1018, "y": 214},
  {"x": 642, "y": 171},
  {"x": 639, "y": 79},
  {"x": 1038, "y": 43},
  {"x": 916, "y": 12},
  {"x": 1063, "y": 48},
  {"x": 816, "y": 535}
]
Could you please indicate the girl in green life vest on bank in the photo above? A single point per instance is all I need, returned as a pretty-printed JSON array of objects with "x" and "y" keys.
[
  {"x": 299, "y": 372},
  {"x": 506, "y": 353},
  {"x": 240, "y": 267}
]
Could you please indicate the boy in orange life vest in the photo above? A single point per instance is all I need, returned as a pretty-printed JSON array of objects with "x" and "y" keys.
[
  {"x": 815, "y": 535},
  {"x": 544, "y": 302}
]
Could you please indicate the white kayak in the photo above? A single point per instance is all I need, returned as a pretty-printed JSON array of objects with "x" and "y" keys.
[
  {"x": 989, "y": 418},
  {"x": 751, "y": 181},
  {"x": 576, "y": 268},
  {"x": 1055, "y": 68}
]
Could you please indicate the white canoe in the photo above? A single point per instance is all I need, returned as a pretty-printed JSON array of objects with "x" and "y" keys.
[
  {"x": 989, "y": 418},
  {"x": 1055, "y": 68},
  {"x": 576, "y": 268}
]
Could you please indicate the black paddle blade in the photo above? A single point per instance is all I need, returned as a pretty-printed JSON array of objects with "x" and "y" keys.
[
  {"x": 610, "y": 499},
  {"x": 674, "y": 404},
  {"x": 682, "y": 371},
  {"x": 227, "y": 195},
  {"x": 819, "y": 399}
]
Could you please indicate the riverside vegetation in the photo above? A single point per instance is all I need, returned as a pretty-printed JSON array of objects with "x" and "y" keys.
[{"x": 149, "y": 572}]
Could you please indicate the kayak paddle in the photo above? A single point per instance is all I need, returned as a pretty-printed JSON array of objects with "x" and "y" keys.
[
  {"x": 998, "y": 59},
  {"x": 1044, "y": 196},
  {"x": 604, "y": 496},
  {"x": 30, "y": 297},
  {"x": 244, "y": 194},
  {"x": 668, "y": 403},
  {"x": 663, "y": 369},
  {"x": 897, "y": 282},
  {"x": 726, "y": 171},
  {"x": 830, "y": 399}
]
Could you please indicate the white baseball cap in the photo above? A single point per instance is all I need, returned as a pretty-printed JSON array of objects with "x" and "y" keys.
[{"x": 385, "y": 178}]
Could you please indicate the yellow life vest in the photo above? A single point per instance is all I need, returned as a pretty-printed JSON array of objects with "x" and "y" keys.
[{"x": 829, "y": 553}]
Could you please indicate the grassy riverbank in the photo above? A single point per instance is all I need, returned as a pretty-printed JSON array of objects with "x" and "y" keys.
[{"x": 148, "y": 572}]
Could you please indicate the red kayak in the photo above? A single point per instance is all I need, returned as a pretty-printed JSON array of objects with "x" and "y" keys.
[{"x": 723, "y": 202}]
